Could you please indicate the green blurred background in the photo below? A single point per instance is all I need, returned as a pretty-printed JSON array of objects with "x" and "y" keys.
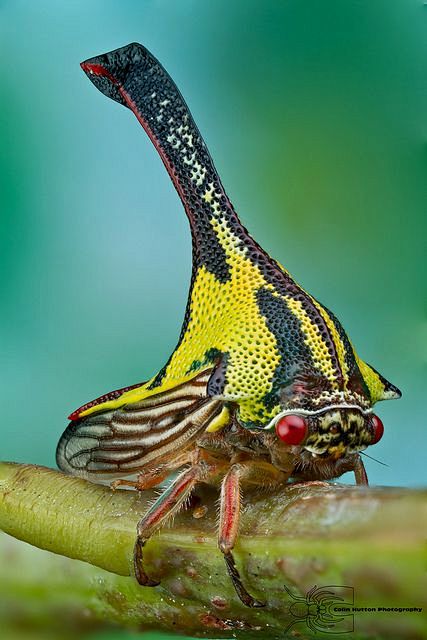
[{"x": 315, "y": 114}]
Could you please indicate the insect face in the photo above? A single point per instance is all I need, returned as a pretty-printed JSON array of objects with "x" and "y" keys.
[{"x": 333, "y": 433}]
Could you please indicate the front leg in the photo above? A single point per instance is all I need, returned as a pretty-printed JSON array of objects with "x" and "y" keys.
[
  {"x": 360, "y": 472},
  {"x": 253, "y": 472}
]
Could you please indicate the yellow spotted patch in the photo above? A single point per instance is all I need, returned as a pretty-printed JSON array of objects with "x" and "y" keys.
[
  {"x": 226, "y": 317},
  {"x": 372, "y": 379}
]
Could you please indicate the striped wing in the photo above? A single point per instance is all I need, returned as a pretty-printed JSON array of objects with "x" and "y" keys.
[{"x": 120, "y": 442}]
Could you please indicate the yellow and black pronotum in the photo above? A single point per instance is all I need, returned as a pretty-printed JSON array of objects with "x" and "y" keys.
[{"x": 264, "y": 384}]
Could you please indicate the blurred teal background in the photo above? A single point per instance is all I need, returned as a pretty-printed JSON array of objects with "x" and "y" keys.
[{"x": 315, "y": 114}]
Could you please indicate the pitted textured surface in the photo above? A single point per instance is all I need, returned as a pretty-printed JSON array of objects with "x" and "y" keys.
[{"x": 269, "y": 341}]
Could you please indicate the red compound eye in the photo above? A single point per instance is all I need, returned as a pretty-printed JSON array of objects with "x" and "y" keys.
[
  {"x": 378, "y": 428},
  {"x": 291, "y": 429}
]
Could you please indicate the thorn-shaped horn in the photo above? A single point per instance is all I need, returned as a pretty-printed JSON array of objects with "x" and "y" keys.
[{"x": 133, "y": 77}]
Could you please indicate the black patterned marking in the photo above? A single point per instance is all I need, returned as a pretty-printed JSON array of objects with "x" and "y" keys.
[
  {"x": 355, "y": 382},
  {"x": 133, "y": 77},
  {"x": 295, "y": 357},
  {"x": 218, "y": 379}
]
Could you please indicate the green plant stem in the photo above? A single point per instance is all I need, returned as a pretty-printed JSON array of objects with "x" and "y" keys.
[{"x": 371, "y": 539}]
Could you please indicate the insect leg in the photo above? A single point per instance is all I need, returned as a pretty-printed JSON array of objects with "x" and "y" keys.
[
  {"x": 144, "y": 481},
  {"x": 360, "y": 472},
  {"x": 151, "y": 478},
  {"x": 166, "y": 505},
  {"x": 252, "y": 472},
  {"x": 228, "y": 527}
]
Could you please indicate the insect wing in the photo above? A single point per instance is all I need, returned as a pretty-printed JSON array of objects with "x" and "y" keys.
[{"x": 121, "y": 441}]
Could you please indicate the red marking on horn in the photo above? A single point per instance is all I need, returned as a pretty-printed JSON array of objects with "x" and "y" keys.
[
  {"x": 112, "y": 395},
  {"x": 98, "y": 70}
]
